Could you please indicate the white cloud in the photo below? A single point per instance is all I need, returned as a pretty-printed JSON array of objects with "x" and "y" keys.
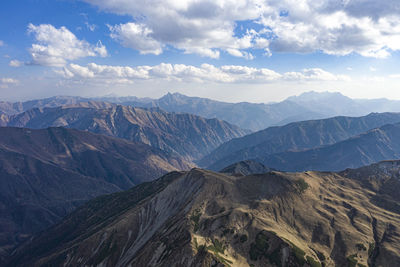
[
  {"x": 90, "y": 27},
  {"x": 187, "y": 73},
  {"x": 373, "y": 69},
  {"x": 5, "y": 82},
  {"x": 15, "y": 63},
  {"x": 55, "y": 47},
  {"x": 136, "y": 36},
  {"x": 368, "y": 27},
  {"x": 1, "y": 43}
]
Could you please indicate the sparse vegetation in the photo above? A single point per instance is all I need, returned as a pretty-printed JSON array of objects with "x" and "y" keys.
[
  {"x": 299, "y": 254},
  {"x": 275, "y": 257},
  {"x": 243, "y": 238},
  {"x": 260, "y": 247},
  {"x": 302, "y": 185},
  {"x": 352, "y": 261},
  {"x": 195, "y": 218},
  {"x": 371, "y": 249},
  {"x": 312, "y": 262},
  {"x": 360, "y": 247},
  {"x": 217, "y": 246}
]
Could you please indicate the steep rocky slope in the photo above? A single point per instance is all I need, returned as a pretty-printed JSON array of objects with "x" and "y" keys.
[
  {"x": 45, "y": 174},
  {"x": 292, "y": 137},
  {"x": 202, "y": 218},
  {"x": 187, "y": 135}
]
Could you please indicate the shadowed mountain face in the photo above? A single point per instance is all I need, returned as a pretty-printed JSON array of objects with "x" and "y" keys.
[
  {"x": 187, "y": 135},
  {"x": 293, "y": 137},
  {"x": 370, "y": 147},
  {"x": 202, "y": 218},
  {"x": 45, "y": 174},
  {"x": 245, "y": 167}
]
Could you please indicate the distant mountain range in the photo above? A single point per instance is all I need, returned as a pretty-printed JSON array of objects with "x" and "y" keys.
[
  {"x": 45, "y": 174},
  {"x": 375, "y": 145},
  {"x": 296, "y": 136},
  {"x": 202, "y": 218},
  {"x": 186, "y": 135},
  {"x": 310, "y": 105}
]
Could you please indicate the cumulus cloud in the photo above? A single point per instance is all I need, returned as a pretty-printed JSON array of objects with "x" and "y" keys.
[
  {"x": 15, "y": 63},
  {"x": 136, "y": 36},
  {"x": 5, "y": 82},
  {"x": 55, "y": 47},
  {"x": 188, "y": 73},
  {"x": 367, "y": 27}
]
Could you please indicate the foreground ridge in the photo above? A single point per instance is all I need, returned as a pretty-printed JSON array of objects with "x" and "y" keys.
[{"x": 203, "y": 218}]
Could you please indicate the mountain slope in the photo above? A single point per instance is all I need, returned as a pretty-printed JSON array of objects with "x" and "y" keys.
[
  {"x": 45, "y": 174},
  {"x": 245, "y": 167},
  {"x": 294, "y": 136},
  {"x": 370, "y": 147},
  {"x": 187, "y": 135},
  {"x": 202, "y": 218}
]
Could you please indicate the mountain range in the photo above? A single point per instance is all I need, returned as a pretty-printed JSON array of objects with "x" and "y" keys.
[
  {"x": 186, "y": 135},
  {"x": 203, "y": 218},
  {"x": 47, "y": 173},
  {"x": 296, "y": 136},
  {"x": 375, "y": 145},
  {"x": 310, "y": 105}
]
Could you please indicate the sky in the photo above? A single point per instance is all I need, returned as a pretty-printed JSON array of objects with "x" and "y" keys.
[{"x": 229, "y": 50}]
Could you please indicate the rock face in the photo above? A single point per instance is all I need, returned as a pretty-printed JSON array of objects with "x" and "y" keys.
[
  {"x": 45, "y": 174},
  {"x": 187, "y": 135},
  {"x": 295, "y": 136},
  {"x": 202, "y": 218}
]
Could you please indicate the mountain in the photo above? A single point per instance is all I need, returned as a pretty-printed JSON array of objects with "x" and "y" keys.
[
  {"x": 334, "y": 103},
  {"x": 245, "y": 167},
  {"x": 292, "y": 137},
  {"x": 11, "y": 108},
  {"x": 45, "y": 174},
  {"x": 187, "y": 135},
  {"x": 246, "y": 115},
  {"x": 307, "y": 106},
  {"x": 373, "y": 146},
  {"x": 203, "y": 218}
]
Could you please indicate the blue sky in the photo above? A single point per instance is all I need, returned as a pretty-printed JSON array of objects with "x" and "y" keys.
[{"x": 243, "y": 50}]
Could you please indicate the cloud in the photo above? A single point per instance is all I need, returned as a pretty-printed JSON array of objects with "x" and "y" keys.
[
  {"x": 1, "y": 43},
  {"x": 15, "y": 63},
  {"x": 55, "y": 47},
  {"x": 5, "y": 82},
  {"x": 136, "y": 36},
  {"x": 205, "y": 73},
  {"x": 367, "y": 27},
  {"x": 90, "y": 27}
]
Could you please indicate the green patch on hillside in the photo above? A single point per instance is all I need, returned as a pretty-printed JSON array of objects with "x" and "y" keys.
[
  {"x": 195, "y": 218},
  {"x": 302, "y": 185}
]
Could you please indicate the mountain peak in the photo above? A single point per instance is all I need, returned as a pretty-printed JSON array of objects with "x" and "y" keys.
[{"x": 316, "y": 96}]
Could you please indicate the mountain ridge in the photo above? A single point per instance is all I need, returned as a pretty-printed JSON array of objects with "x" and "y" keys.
[{"x": 201, "y": 218}]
